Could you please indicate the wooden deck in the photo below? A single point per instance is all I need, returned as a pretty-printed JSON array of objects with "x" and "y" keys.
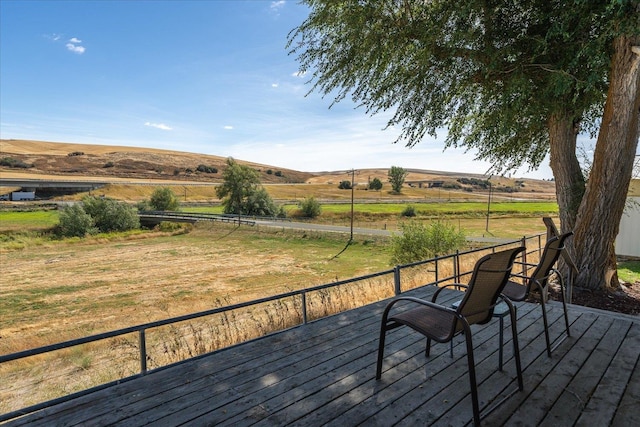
[{"x": 323, "y": 374}]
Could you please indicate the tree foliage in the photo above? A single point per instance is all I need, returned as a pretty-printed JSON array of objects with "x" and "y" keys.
[
  {"x": 97, "y": 214},
  {"x": 164, "y": 199},
  {"x": 397, "y": 176},
  {"x": 242, "y": 193},
  {"x": 111, "y": 215},
  {"x": 375, "y": 184},
  {"x": 418, "y": 242},
  {"x": 75, "y": 222},
  {"x": 514, "y": 80},
  {"x": 345, "y": 185}
]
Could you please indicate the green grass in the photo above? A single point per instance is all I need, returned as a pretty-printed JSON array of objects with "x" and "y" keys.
[
  {"x": 629, "y": 271},
  {"x": 452, "y": 208},
  {"x": 31, "y": 220}
]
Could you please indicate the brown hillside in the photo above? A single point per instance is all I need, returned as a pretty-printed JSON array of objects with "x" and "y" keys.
[
  {"x": 116, "y": 163},
  {"x": 106, "y": 162}
]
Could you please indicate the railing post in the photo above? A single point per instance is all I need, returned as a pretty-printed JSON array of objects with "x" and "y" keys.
[
  {"x": 396, "y": 280},
  {"x": 456, "y": 266},
  {"x": 304, "y": 307},
  {"x": 524, "y": 256},
  {"x": 436, "y": 271},
  {"x": 143, "y": 352}
]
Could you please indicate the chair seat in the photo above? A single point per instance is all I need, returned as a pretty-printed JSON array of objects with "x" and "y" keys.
[
  {"x": 514, "y": 291},
  {"x": 431, "y": 322}
]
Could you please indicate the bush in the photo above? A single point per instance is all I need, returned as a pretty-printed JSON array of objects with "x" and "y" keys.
[
  {"x": 409, "y": 211},
  {"x": 108, "y": 165},
  {"x": 206, "y": 169},
  {"x": 75, "y": 222},
  {"x": 14, "y": 163},
  {"x": 259, "y": 203},
  {"x": 111, "y": 215},
  {"x": 375, "y": 184},
  {"x": 164, "y": 199},
  {"x": 419, "y": 242},
  {"x": 344, "y": 185},
  {"x": 310, "y": 207}
]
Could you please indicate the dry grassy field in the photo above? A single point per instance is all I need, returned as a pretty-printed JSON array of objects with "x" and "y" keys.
[{"x": 55, "y": 290}]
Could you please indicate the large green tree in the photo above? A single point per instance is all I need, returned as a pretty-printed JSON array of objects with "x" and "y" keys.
[
  {"x": 396, "y": 177},
  {"x": 514, "y": 79},
  {"x": 242, "y": 192}
]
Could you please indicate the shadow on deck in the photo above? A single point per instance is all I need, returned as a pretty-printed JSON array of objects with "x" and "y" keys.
[{"x": 323, "y": 373}]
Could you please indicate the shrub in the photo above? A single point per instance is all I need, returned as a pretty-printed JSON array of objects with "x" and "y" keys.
[
  {"x": 108, "y": 165},
  {"x": 164, "y": 199},
  {"x": 75, "y": 222},
  {"x": 419, "y": 242},
  {"x": 344, "y": 185},
  {"x": 310, "y": 207},
  {"x": 409, "y": 211},
  {"x": 206, "y": 169},
  {"x": 375, "y": 184},
  {"x": 14, "y": 163},
  {"x": 259, "y": 203},
  {"x": 111, "y": 215},
  {"x": 278, "y": 173}
]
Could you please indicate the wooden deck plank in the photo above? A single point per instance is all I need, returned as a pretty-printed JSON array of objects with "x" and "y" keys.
[
  {"x": 370, "y": 396},
  {"x": 294, "y": 386},
  {"x": 323, "y": 373},
  {"x": 492, "y": 384},
  {"x": 569, "y": 405},
  {"x": 617, "y": 395},
  {"x": 537, "y": 366}
]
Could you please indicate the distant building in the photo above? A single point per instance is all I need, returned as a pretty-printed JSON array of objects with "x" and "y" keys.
[{"x": 628, "y": 240}]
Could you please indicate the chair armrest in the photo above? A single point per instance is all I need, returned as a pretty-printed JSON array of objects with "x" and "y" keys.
[
  {"x": 417, "y": 301},
  {"x": 450, "y": 285}
]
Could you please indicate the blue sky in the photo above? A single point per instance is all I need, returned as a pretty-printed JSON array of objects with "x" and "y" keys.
[{"x": 210, "y": 77}]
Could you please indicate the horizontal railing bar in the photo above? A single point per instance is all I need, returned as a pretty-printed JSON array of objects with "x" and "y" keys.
[{"x": 164, "y": 322}]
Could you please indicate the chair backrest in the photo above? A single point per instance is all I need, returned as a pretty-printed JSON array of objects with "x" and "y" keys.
[
  {"x": 489, "y": 277},
  {"x": 552, "y": 250}
]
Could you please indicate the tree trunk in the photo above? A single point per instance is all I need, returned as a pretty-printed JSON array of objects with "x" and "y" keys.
[
  {"x": 566, "y": 169},
  {"x": 598, "y": 219}
]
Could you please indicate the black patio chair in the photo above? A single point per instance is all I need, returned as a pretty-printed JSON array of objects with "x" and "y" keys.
[
  {"x": 441, "y": 323},
  {"x": 537, "y": 283}
]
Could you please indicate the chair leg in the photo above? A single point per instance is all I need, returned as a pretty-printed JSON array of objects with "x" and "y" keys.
[
  {"x": 427, "y": 350},
  {"x": 501, "y": 334},
  {"x": 516, "y": 346},
  {"x": 564, "y": 305},
  {"x": 546, "y": 326},
  {"x": 383, "y": 332},
  {"x": 472, "y": 377}
]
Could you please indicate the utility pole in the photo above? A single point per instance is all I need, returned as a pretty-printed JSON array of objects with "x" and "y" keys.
[
  {"x": 488, "y": 204},
  {"x": 353, "y": 173}
]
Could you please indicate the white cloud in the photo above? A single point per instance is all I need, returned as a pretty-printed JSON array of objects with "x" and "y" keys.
[
  {"x": 74, "y": 46},
  {"x": 228, "y": 127},
  {"x": 160, "y": 126},
  {"x": 75, "y": 49},
  {"x": 299, "y": 74},
  {"x": 274, "y": 84},
  {"x": 53, "y": 37},
  {"x": 276, "y": 5}
]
